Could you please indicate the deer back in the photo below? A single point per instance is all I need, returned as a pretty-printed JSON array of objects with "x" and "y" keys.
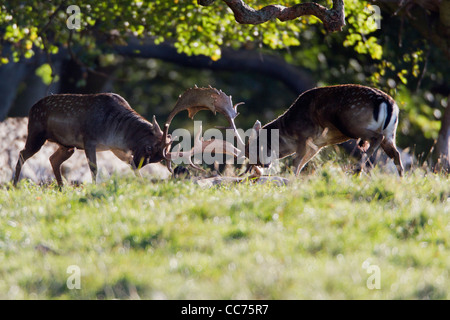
[
  {"x": 105, "y": 119},
  {"x": 348, "y": 111}
]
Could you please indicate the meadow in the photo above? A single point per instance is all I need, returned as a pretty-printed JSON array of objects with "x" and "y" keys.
[{"x": 326, "y": 235}]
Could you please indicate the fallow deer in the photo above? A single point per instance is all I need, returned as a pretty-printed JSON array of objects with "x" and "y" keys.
[
  {"x": 105, "y": 121},
  {"x": 330, "y": 115}
]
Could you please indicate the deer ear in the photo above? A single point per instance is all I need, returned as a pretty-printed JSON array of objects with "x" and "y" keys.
[
  {"x": 156, "y": 129},
  {"x": 257, "y": 126},
  {"x": 255, "y": 130}
]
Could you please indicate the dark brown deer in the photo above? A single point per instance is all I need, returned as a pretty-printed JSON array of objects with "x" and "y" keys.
[
  {"x": 105, "y": 121},
  {"x": 330, "y": 115}
]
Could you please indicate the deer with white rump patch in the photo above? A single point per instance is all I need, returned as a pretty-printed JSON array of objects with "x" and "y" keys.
[
  {"x": 105, "y": 121},
  {"x": 330, "y": 115}
]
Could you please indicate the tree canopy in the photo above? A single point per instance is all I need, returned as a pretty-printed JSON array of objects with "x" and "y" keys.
[{"x": 192, "y": 28}]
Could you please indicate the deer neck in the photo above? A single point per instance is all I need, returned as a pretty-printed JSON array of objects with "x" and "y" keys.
[
  {"x": 286, "y": 145},
  {"x": 132, "y": 131}
]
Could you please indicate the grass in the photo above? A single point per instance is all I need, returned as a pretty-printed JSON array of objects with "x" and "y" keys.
[{"x": 312, "y": 239}]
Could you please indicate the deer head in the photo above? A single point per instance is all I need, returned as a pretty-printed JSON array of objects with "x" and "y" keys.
[{"x": 153, "y": 150}]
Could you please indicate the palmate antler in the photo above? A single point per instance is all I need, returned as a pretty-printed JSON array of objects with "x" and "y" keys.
[
  {"x": 193, "y": 100},
  {"x": 200, "y": 146}
]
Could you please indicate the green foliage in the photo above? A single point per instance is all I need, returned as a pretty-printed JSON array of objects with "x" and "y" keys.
[
  {"x": 362, "y": 23},
  {"x": 309, "y": 240},
  {"x": 192, "y": 28},
  {"x": 420, "y": 120},
  {"x": 45, "y": 73}
]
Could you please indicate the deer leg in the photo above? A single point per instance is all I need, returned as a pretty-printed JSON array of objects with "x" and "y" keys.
[
  {"x": 304, "y": 154},
  {"x": 392, "y": 152},
  {"x": 90, "y": 151},
  {"x": 56, "y": 159},
  {"x": 374, "y": 144},
  {"x": 33, "y": 145}
]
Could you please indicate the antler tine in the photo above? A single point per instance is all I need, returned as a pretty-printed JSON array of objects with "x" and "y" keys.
[
  {"x": 196, "y": 148},
  {"x": 166, "y": 136},
  {"x": 169, "y": 165},
  {"x": 217, "y": 145},
  {"x": 187, "y": 155},
  {"x": 237, "y": 104},
  {"x": 196, "y": 99},
  {"x": 221, "y": 146},
  {"x": 166, "y": 131},
  {"x": 200, "y": 146},
  {"x": 239, "y": 139}
]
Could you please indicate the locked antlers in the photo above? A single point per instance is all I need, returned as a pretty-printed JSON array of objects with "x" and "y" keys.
[
  {"x": 201, "y": 146},
  {"x": 193, "y": 100}
]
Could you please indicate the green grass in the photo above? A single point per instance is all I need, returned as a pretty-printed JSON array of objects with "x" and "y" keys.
[{"x": 174, "y": 240}]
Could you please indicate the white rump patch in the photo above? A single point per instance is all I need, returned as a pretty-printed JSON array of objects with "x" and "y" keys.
[
  {"x": 377, "y": 124},
  {"x": 392, "y": 126}
]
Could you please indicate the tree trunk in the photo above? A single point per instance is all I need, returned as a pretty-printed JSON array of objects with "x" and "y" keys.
[
  {"x": 443, "y": 142},
  {"x": 14, "y": 72},
  {"x": 73, "y": 74},
  {"x": 34, "y": 88}
]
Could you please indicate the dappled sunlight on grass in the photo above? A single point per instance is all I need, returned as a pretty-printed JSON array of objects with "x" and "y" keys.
[{"x": 175, "y": 240}]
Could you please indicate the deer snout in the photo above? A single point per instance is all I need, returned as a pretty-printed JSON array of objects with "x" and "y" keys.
[
  {"x": 156, "y": 157},
  {"x": 265, "y": 165}
]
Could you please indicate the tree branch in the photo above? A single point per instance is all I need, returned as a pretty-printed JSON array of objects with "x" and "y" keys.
[
  {"x": 443, "y": 142},
  {"x": 232, "y": 60},
  {"x": 333, "y": 19},
  {"x": 50, "y": 19}
]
